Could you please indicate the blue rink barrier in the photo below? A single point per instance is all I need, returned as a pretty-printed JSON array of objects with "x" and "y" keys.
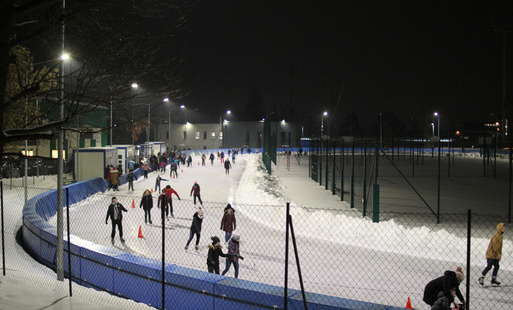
[{"x": 137, "y": 278}]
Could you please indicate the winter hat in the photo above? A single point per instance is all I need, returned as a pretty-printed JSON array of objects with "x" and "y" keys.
[
  {"x": 113, "y": 198},
  {"x": 460, "y": 275},
  {"x": 215, "y": 240},
  {"x": 236, "y": 237}
]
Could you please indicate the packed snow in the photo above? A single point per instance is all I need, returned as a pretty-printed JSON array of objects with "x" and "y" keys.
[{"x": 341, "y": 253}]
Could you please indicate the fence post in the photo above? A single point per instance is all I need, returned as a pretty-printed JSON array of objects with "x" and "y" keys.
[
  {"x": 352, "y": 176},
  {"x": 365, "y": 179},
  {"x": 469, "y": 237},
  {"x": 333, "y": 191},
  {"x": 375, "y": 203},
  {"x": 2, "y": 216},
  {"x": 297, "y": 262},
  {"x": 285, "y": 301},
  {"x": 342, "y": 173},
  {"x": 327, "y": 163},
  {"x": 69, "y": 242},
  {"x": 162, "y": 211}
]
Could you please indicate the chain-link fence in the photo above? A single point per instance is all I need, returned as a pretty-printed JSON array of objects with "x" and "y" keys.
[{"x": 341, "y": 253}]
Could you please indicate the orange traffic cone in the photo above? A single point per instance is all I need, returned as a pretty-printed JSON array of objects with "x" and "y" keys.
[
  {"x": 182, "y": 170},
  {"x": 408, "y": 304},
  {"x": 141, "y": 236},
  {"x": 173, "y": 176},
  {"x": 198, "y": 163},
  {"x": 152, "y": 190},
  {"x": 133, "y": 203}
]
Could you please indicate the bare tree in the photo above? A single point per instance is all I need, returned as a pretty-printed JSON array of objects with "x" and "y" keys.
[{"x": 112, "y": 44}]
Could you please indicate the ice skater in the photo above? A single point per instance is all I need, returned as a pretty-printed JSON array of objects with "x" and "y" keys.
[
  {"x": 146, "y": 169},
  {"x": 197, "y": 220},
  {"x": 146, "y": 204},
  {"x": 163, "y": 204},
  {"x": 440, "y": 292},
  {"x": 130, "y": 178},
  {"x": 170, "y": 191},
  {"x": 174, "y": 169},
  {"x": 212, "y": 157},
  {"x": 157, "y": 182},
  {"x": 233, "y": 255},
  {"x": 116, "y": 217},
  {"x": 227, "y": 166},
  {"x": 196, "y": 191},
  {"x": 494, "y": 255},
  {"x": 228, "y": 222},
  {"x": 214, "y": 251}
]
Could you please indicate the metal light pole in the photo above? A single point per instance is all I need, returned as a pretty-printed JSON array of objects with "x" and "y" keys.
[
  {"x": 184, "y": 125},
  {"x": 324, "y": 114},
  {"x": 148, "y": 128},
  {"x": 169, "y": 122},
  {"x": 60, "y": 166},
  {"x": 134, "y": 86},
  {"x": 221, "y": 123}
]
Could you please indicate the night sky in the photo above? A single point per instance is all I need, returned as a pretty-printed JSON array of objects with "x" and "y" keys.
[{"x": 400, "y": 58}]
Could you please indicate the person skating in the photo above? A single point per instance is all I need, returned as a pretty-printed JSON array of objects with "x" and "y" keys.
[
  {"x": 222, "y": 157},
  {"x": 114, "y": 179},
  {"x": 146, "y": 204},
  {"x": 228, "y": 222},
  {"x": 196, "y": 191},
  {"x": 212, "y": 157},
  {"x": 203, "y": 158},
  {"x": 174, "y": 169},
  {"x": 189, "y": 161},
  {"x": 440, "y": 292},
  {"x": 170, "y": 191},
  {"x": 157, "y": 182},
  {"x": 116, "y": 217},
  {"x": 214, "y": 251},
  {"x": 227, "y": 166},
  {"x": 233, "y": 255},
  {"x": 197, "y": 220},
  {"x": 233, "y": 157},
  {"x": 130, "y": 178},
  {"x": 146, "y": 169},
  {"x": 494, "y": 255},
  {"x": 163, "y": 204}
]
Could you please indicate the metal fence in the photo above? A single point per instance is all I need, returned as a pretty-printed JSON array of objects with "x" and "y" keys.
[{"x": 341, "y": 253}]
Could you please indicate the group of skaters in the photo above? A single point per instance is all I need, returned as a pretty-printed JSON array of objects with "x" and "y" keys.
[
  {"x": 441, "y": 292},
  {"x": 165, "y": 204}
]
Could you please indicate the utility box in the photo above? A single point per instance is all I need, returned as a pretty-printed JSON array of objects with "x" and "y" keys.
[
  {"x": 91, "y": 162},
  {"x": 126, "y": 153}
]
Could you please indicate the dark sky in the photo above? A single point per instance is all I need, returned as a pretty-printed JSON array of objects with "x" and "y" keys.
[{"x": 400, "y": 58}]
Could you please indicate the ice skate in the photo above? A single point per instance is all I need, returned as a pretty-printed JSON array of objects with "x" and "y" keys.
[
  {"x": 481, "y": 280},
  {"x": 495, "y": 281}
]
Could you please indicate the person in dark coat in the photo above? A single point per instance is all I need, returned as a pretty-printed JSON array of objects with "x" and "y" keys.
[
  {"x": 163, "y": 204},
  {"x": 439, "y": 293},
  {"x": 157, "y": 182},
  {"x": 174, "y": 169},
  {"x": 196, "y": 191},
  {"x": 233, "y": 255},
  {"x": 214, "y": 251},
  {"x": 189, "y": 161},
  {"x": 146, "y": 204},
  {"x": 227, "y": 166},
  {"x": 116, "y": 217},
  {"x": 212, "y": 157},
  {"x": 130, "y": 179},
  {"x": 197, "y": 220},
  {"x": 228, "y": 222}
]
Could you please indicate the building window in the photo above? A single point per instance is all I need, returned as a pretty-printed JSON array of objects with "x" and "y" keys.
[
  {"x": 185, "y": 135},
  {"x": 213, "y": 134},
  {"x": 198, "y": 135},
  {"x": 205, "y": 135},
  {"x": 220, "y": 135},
  {"x": 167, "y": 135}
]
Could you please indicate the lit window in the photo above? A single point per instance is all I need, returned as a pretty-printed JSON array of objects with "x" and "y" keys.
[
  {"x": 213, "y": 134},
  {"x": 198, "y": 135}
]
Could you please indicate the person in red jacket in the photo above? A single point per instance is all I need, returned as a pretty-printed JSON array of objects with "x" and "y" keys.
[
  {"x": 228, "y": 223},
  {"x": 169, "y": 191},
  {"x": 196, "y": 191}
]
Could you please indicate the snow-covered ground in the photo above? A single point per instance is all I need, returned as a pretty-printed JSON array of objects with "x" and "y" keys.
[{"x": 341, "y": 253}]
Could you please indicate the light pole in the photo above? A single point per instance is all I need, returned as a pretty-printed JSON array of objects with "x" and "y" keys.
[
  {"x": 60, "y": 164},
  {"x": 148, "y": 128},
  {"x": 438, "y": 125},
  {"x": 134, "y": 86},
  {"x": 168, "y": 122},
  {"x": 221, "y": 123},
  {"x": 324, "y": 114}
]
